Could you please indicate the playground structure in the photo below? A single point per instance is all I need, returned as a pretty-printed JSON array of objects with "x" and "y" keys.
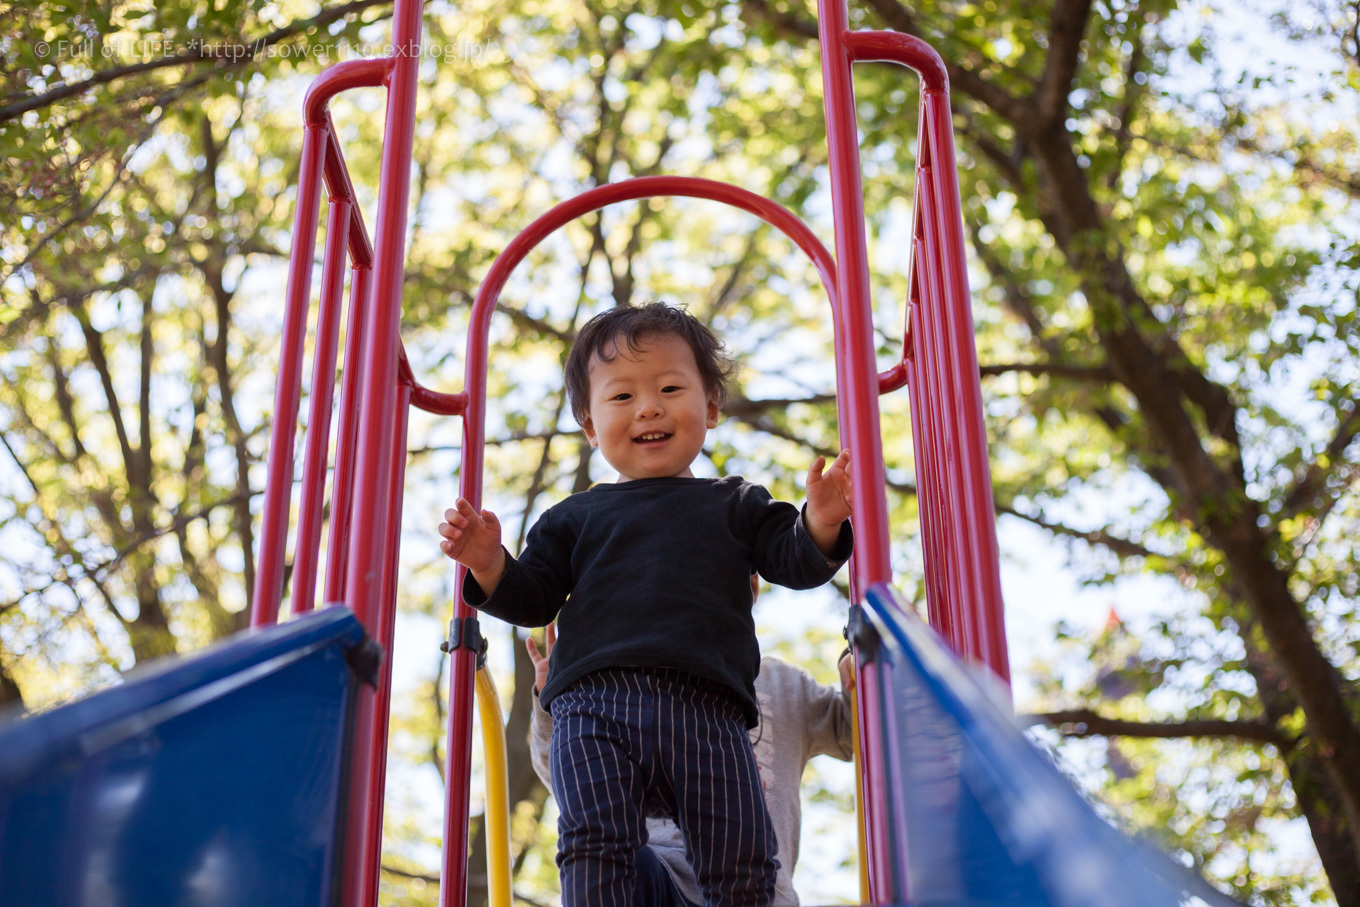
[
  {"x": 939, "y": 366},
  {"x": 955, "y": 807}
]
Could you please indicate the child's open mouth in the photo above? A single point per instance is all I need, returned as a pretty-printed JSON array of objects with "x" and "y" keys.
[{"x": 651, "y": 437}]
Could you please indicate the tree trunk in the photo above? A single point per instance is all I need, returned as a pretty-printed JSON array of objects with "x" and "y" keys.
[
  {"x": 11, "y": 697},
  {"x": 1150, "y": 364},
  {"x": 1317, "y": 798}
]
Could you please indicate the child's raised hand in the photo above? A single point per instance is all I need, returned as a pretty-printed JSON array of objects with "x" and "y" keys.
[
  {"x": 472, "y": 539},
  {"x": 828, "y": 494},
  {"x": 540, "y": 660}
]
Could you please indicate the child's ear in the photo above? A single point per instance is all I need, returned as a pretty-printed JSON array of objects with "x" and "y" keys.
[
  {"x": 589, "y": 428},
  {"x": 712, "y": 420}
]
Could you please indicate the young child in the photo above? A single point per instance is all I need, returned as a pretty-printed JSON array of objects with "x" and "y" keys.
[{"x": 652, "y": 686}]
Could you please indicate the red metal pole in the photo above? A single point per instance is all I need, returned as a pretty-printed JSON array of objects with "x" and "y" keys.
[
  {"x": 346, "y": 439},
  {"x": 379, "y": 382},
  {"x": 925, "y": 404},
  {"x": 858, "y": 376},
  {"x": 463, "y": 661},
  {"x": 386, "y": 635},
  {"x": 315, "y": 459},
  {"x": 278, "y": 490},
  {"x": 980, "y": 589},
  {"x": 857, "y": 386},
  {"x": 377, "y": 412},
  {"x": 875, "y": 790},
  {"x": 945, "y": 463},
  {"x": 982, "y": 570}
]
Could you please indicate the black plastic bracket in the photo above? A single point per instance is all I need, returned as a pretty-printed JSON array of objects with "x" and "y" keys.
[
  {"x": 466, "y": 633},
  {"x": 364, "y": 660},
  {"x": 862, "y": 634}
]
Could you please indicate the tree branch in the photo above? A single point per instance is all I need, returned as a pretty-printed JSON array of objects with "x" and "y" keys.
[
  {"x": 51, "y": 532},
  {"x": 25, "y": 421},
  {"x": 218, "y": 356},
  {"x": 742, "y": 408},
  {"x": 94, "y": 346},
  {"x": 788, "y": 24},
  {"x": 536, "y": 483},
  {"x": 141, "y": 479},
  {"x": 1023, "y": 307},
  {"x": 1133, "y": 93},
  {"x": 1099, "y": 374},
  {"x": 1008, "y": 163},
  {"x": 160, "y": 106},
  {"x": 965, "y": 80},
  {"x": 1119, "y": 546},
  {"x": 1306, "y": 166},
  {"x": 1066, "y": 28},
  {"x": 1088, "y": 723},
  {"x": 1310, "y": 489},
  {"x": 65, "y": 402}
]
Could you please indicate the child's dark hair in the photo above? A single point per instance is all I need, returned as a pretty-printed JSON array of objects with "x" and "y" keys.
[{"x": 628, "y": 325}]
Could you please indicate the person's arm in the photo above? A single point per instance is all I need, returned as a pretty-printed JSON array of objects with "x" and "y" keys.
[
  {"x": 783, "y": 549},
  {"x": 540, "y": 742},
  {"x": 540, "y": 722},
  {"x": 827, "y": 714}
]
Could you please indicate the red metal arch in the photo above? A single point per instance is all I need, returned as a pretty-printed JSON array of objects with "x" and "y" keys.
[{"x": 473, "y": 407}]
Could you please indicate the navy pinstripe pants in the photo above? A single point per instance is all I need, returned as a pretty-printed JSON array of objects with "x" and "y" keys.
[{"x": 631, "y": 743}]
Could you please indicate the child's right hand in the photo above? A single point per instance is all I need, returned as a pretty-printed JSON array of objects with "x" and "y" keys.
[{"x": 473, "y": 539}]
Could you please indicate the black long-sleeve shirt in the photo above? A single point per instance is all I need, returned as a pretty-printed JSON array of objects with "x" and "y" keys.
[{"x": 655, "y": 573}]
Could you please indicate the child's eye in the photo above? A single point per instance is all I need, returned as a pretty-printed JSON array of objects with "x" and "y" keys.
[
  {"x": 669, "y": 389},
  {"x": 621, "y": 397}
]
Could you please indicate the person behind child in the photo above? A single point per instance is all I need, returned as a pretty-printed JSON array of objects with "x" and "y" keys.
[
  {"x": 652, "y": 685},
  {"x": 799, "y": 718}
]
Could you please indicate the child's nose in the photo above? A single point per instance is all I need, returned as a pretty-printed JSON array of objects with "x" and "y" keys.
[{"x": 649, "y": 408}]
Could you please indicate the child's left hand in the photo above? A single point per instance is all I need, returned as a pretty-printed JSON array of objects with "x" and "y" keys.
[
  {"x": 828, "y": 494},
  {"x": 540, "y": 659},
  {"x": 846, "y": 668}
]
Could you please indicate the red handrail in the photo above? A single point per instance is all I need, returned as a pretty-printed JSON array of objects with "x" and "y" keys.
[
  {"x": 938, "y": 365},
  {"x": 362, "y": 558},
  {"x": 319, "y": 421},
  {"x": 945, "y": 352},
  {"x": 376, "y": 515}
]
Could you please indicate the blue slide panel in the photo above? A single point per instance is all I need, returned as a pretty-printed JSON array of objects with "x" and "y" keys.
[
  {"x": 217, "y": 780},
  {"x": 978, "y": 815}
]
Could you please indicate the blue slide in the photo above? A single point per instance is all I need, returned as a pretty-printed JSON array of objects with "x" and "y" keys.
[
  {"x": 218, "y": 780},
  {"x": 979, "y": 816}
]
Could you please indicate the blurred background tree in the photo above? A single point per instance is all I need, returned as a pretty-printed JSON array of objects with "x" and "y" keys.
[{"x": 1161, "y": 201}]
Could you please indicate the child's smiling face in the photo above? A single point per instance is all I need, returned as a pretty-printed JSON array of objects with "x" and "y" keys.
[{"x": 649, "y": 411}]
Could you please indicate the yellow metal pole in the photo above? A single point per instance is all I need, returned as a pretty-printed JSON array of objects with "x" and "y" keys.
[
  {"x": 859, "y": 801},
  {"x": 497, "y": 792}
]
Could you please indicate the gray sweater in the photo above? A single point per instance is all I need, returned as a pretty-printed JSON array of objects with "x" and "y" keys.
[{"x": 799, "y": 719}]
